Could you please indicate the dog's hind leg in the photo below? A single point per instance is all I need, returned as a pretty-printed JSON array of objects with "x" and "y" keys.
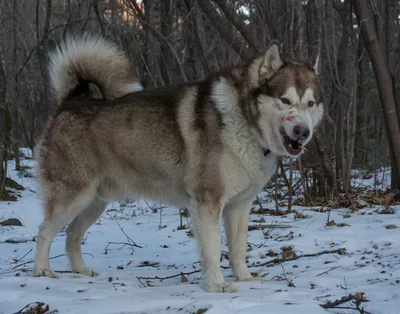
[
  {"x": 236, "y": 217},
  {"x": 58, "y": 212},
  {"x": 75, "y": 232},
  {"x": 206, "y": 227}
]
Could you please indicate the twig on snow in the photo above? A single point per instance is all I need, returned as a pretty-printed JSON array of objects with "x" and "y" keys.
[
  {"x": 265, "y": 226},
  {"x": 278, "y": 260},
  {"x": 54, "y": 257},
  {"x": 329, "y": 270},
  {"x": 168, "y": 277},
  {"x": 20, "y": 259},
  {"x": 123, "y": 245},
  {"x": 35, "y": 307},
  {"x": 284, "y": 277},
  {"x": 357, "y": 299},
  {"x": 133, "y": 243}
]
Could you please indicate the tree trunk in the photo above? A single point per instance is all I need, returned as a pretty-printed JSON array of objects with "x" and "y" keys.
[
  {"x": 15, "y": 90},
  {"x": 3, "y": 130},
  {"x": 383, "y": 78}
]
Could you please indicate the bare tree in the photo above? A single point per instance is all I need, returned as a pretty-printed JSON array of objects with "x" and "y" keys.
[{"x": 383, "y": 79}]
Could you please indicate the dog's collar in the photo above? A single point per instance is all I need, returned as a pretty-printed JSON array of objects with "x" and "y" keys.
[{"x": 266, "y": 152}]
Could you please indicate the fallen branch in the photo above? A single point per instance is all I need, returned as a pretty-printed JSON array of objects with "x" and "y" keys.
[
  {"x": 285, "y": 278},
  {"x": 278, "y": 260},
  {"x": 168, "y": 277},
  {"x": 130, "y": 241},
  {"x": 123, "y": 244},
  {"x": 329, "y": 270},
  {"x": 20, "y": 259},
  {"x": 265, "y": 226},
  {"x": 54, "y": 257},
  {"x": 35, "y": 307},
  {"x": 357, "y": 298}
]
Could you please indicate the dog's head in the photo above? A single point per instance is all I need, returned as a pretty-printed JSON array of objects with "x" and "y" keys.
[{"x": 288, "y": 98}]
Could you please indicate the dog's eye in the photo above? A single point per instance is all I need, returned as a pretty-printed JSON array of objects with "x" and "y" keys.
[
  {"x": 311, "y": 104},
  {"x": 285, "y": 101}
]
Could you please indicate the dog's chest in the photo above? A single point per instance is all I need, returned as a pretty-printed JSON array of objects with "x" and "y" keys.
[
  {"x": 252, "y": 178},
  {"x": 260, "y": 175}
]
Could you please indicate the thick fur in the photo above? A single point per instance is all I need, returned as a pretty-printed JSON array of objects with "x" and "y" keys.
[{"x": 202, "y": 145}]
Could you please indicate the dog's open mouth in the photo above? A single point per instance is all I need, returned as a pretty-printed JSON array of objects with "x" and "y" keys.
[{"x": 293, "y": 147}]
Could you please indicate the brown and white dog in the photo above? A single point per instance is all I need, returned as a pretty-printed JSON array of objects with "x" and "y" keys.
[{"x": 209, "y": 145}]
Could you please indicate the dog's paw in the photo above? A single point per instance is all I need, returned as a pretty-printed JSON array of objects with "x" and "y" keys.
[
  {"x": 44, "y": 272},
  {"x": 221, "y": 287},
  {"x": 86, "y": 271}
]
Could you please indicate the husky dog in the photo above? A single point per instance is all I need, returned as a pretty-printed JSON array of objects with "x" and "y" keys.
[{"x": 209, "y": 146}]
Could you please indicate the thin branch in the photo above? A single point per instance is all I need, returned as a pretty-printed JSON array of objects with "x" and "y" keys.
[
  {"x": 329, "y": 270},
  {"x": 278, "y": 260},
  {"x": 167, "y": 277},
  {"x": 357, "y": 298},
  {"x": 44, "y": 38},
  {"x": 54, "y": 257},
  {"x": 223, "y": 27},
  {"x": 239, "y": 24},
  {"x": 20, "y": 259},
  {"x": 123, "y": 245},
  {"x": 142, "y": 19}
]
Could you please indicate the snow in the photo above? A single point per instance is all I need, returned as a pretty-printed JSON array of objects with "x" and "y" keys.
[{"x": 371, "y": 263}]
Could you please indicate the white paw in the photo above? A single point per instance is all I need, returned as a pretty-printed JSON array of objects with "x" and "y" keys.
[
  {"x": 221, "y": 287},
  {"x": 44, "y": 272},
  {"x": 85, "y": 271}
]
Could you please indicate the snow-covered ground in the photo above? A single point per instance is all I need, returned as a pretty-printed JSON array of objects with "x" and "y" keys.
[{"x": 370, "y": 263}]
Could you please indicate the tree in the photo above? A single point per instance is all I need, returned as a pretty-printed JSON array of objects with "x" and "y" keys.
[{"x": 384, "y": 82}]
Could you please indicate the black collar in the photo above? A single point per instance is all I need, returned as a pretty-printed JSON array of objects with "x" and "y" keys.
[{"x": 266, "y": 152}]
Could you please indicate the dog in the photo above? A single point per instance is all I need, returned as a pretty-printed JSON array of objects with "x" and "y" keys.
[{"x": 209, "y": 145}]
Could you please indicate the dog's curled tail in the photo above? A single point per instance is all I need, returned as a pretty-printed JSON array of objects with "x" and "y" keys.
[{"x": 77, "y": 62}]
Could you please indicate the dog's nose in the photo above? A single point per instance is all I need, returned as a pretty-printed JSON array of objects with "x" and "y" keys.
[{"x": 301, "y": 132}]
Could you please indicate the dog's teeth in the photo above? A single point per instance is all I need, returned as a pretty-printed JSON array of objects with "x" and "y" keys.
[{"x": 290, "y": 144}]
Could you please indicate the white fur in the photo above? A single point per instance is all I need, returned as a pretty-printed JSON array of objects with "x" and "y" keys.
[
  {"x": 91, "y": 59},
  {"x": 317, "y": 64},
  {"x": 48, "y": 230},
  {"x": 249, "y": 171}
]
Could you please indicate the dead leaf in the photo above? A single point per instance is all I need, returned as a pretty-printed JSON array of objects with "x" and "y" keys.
[
  {"x": 391, "y": 226},
  {"x": 287, "y": 252},
  {"x": 184, "y": 278},
  {"x": 224, "y": 256},
  {"x": 271, "y": 253},
  {"x": 384, "y": 199},
  {"x": 11, "y": 222}
]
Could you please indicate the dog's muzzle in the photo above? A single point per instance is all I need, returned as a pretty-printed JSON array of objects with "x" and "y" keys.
[{"x": 294, "y": 144}]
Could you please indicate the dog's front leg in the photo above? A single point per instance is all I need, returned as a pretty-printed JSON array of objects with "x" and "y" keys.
[
  {"x": 236, "y": 217},
  {"x": 206, "y": 219}
]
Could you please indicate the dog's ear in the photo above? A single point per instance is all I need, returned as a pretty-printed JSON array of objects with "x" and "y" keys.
[
  {"x": 272, "y": 61},
  {"x": 317, "y": 63}
]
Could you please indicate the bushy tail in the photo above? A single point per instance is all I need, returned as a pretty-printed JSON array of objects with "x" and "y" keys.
[{"x": 77, "y": 62}]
